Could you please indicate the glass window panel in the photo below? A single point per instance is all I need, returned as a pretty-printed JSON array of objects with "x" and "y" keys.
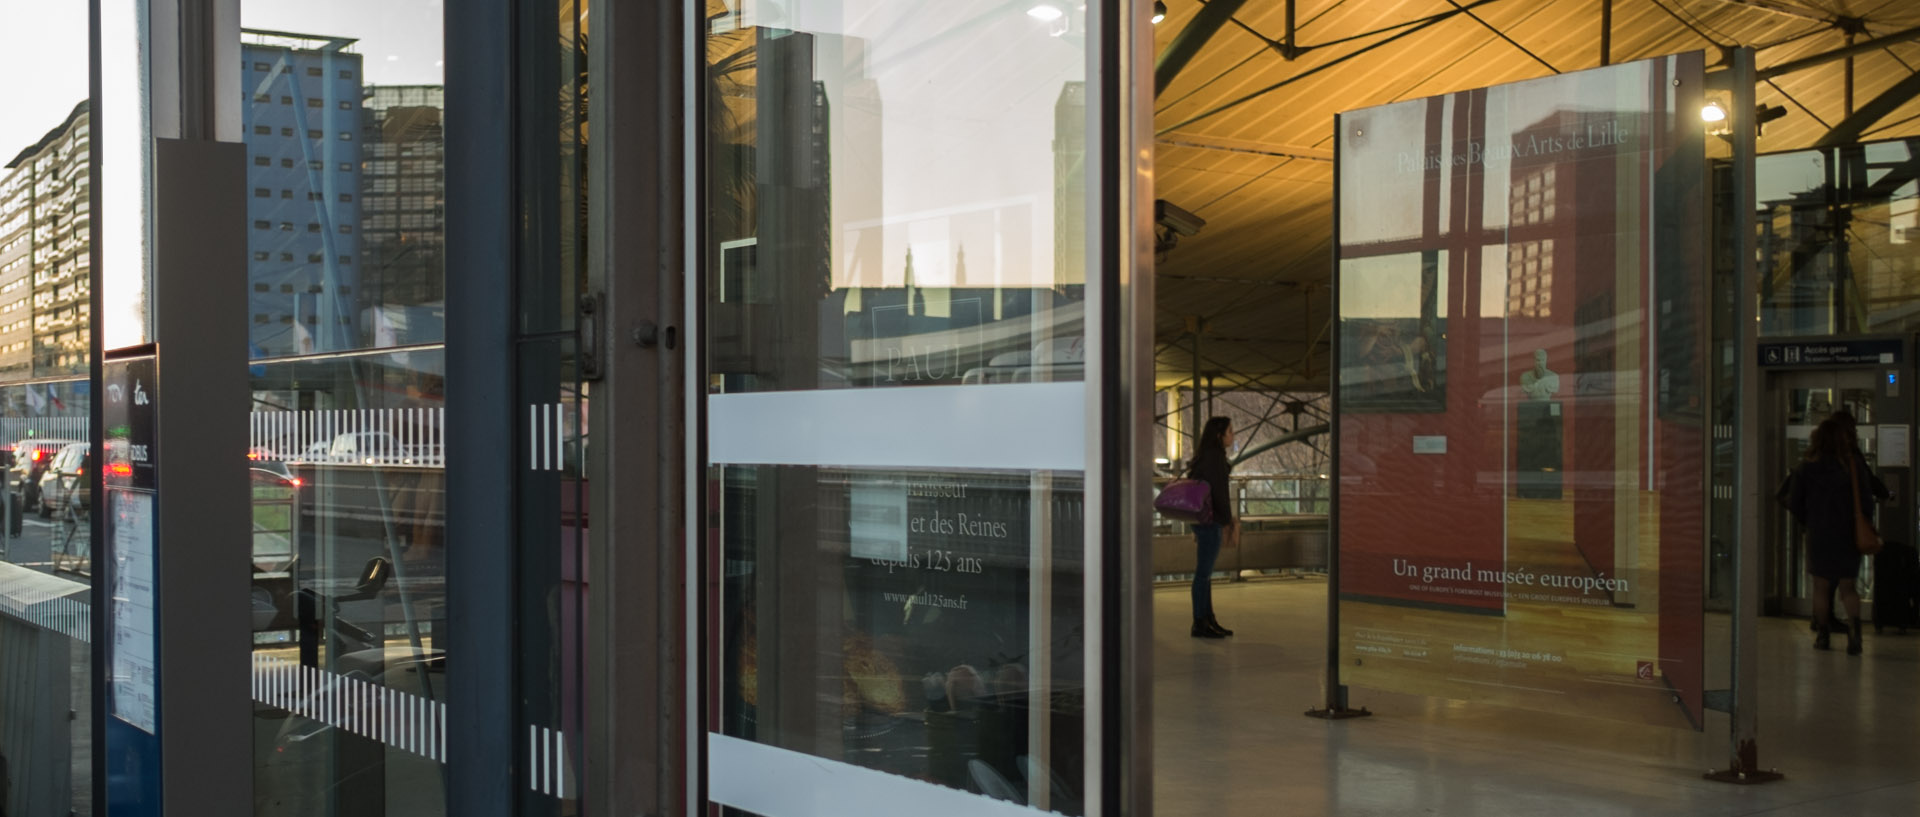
[
  {"x": 896, "y": 198},
  {"x": 349, "y": 503},
  {"x": 1527, "y": 383},
  {"x": 47, "y": 236},
  {"x": 901, "y": 632},
  {"x": 1837, "y": 240},
  {"x": 881, "y": 216}
]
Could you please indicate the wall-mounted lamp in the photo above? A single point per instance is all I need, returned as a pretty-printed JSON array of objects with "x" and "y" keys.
[
  {"x": 1046, "y": 12},
  {"x": 1159, "y": 11},
  {"x": 1720, "y": 122}
]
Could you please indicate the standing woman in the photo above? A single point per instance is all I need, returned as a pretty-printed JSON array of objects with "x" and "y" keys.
[
  {"x": 1210, "y": 464},
  {"x": 1828, "y": 488}
]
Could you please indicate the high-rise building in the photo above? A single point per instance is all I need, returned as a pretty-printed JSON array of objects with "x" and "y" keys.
[
  {"x": 44, "y": 254},
  {"x": 303, "y": 130},
  {"x": 403, "y": 232}
]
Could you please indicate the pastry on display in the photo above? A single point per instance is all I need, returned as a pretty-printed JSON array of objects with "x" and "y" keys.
[
  {"x": 872, "y": 680},
  {"x": 749, "y": 660}
]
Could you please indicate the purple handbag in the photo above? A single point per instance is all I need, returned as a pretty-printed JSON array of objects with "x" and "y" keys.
[{"x": 1186, "y": 500}]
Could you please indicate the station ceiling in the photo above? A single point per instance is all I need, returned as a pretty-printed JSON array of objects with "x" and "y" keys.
[{"x": 1244, "y": 134}]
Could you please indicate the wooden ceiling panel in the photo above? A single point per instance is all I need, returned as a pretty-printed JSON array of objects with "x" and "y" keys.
[{"x": 1261, "y": 268}]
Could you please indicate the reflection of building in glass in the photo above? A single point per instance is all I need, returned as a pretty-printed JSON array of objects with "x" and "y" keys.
[
  {"x": 402, "y": 236},
  {"x": 44, "y": 254},
  {"x": 1531, "y": 200},
  {"x": 1070, "y": 189},
  {"x": 302, "y": 130}
]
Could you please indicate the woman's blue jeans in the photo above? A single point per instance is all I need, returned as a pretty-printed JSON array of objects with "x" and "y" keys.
[{"x": 1207, "y": 540}]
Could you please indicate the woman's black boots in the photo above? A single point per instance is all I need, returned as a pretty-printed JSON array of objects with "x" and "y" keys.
[
  {"x": 1824, "y": 638},
  {"x": 1215, "y": 624},
  {"x": 1854, "y": 637},
  {"x": 1202, "y": 629}
]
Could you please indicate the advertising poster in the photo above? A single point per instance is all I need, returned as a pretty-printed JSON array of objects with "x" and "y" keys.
[
  {"x": 920, "y": 632},
  {"x": 129, "y": 567},
  {"x": 1521, "y": 437}
]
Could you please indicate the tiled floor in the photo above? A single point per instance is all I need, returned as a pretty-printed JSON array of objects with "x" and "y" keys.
[{"x": 1230, "y": 739}]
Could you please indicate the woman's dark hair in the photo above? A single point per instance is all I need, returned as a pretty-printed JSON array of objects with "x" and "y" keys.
[
  {"x": 1827, "y": 442},
  {"x": 1213, "y": 437}
]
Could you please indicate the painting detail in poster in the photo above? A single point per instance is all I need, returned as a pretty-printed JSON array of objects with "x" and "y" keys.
[{"x": 920, "y": 588}]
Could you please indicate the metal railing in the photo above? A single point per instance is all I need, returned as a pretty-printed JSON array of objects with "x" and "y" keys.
[
  {"x": 407, "y": 436},
  {"x": 1263, "y": 496},
  {"x": 16, "y": 429},
  {"x": 1283, "y": 521}
]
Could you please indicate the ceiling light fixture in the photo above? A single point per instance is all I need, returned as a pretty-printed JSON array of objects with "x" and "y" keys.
[
  {"x": 1159, "y": 11},
  {"x": 1045, "y": 11}
]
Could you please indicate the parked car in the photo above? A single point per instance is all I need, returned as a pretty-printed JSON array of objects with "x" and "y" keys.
[
  {"x": 65, "y": 480},
  {"x": 369, "y": 448},
  {"x": 30, "y": 460}
]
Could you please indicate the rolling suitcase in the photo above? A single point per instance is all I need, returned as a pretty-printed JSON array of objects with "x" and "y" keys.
[{"x": 1896, "y": 587}]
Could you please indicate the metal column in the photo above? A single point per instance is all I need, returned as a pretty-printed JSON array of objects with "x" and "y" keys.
[
  {"x": 1743, "y": 744},
  {"x": 482, "y": 706}
]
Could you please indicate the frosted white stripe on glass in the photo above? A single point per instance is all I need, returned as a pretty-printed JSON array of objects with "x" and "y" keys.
[
  {"x": 766, "y": 780},
  {"x": 51, "y": 603},
  {"x": 547, "y": 759},
  {"x": 395, "y": 718},
  {"x": 547, "y": 436},
  {"x": 1015, "y": 426}
]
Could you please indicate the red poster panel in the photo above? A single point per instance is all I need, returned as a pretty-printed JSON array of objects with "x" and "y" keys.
[{"x": 1520, "y": 429}]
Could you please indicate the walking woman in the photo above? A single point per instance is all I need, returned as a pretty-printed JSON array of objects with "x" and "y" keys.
[
  {"x": 1210, "y": 464},
  {"x": 1827, "y": 489}
]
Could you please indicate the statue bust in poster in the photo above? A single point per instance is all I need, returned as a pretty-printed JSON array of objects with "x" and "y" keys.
[
  {"x": 1538, "y": 430},
  {"x": 1540, "y": 382}
]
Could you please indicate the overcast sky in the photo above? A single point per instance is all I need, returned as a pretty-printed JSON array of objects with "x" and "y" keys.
[
  {"x": 43, "y": 51},
  {"x": 43, "y": 68}
]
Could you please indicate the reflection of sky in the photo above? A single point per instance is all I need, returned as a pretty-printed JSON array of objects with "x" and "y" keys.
[
  {"x": 43, "y": 51},
  {"x": 1388, "y": 286},
  {"x": 43, "y": 70},
  {"x": 1782, "y": 176},
  {"x": 942, "y": 128},
  {"x": 400, "y": 39}
]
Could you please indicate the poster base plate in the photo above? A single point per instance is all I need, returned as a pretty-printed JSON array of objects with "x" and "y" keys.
[
  {"x": 1331, "y": 714},
  {"x": 1740, "y": 778}
]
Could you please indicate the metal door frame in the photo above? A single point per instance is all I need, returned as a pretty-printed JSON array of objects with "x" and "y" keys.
[{"x": 1891, "y": 407}]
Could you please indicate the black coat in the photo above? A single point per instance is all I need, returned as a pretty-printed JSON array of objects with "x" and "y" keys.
[
  {"x": 1213, "y": 467},
  {"x": 1821, "y": 496}
]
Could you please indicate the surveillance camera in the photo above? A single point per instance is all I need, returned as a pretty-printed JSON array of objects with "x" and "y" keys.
[{"x": 1171, "y": 216}]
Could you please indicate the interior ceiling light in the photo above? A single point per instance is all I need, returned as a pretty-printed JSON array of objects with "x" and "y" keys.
[
  {"x": 1712, "y": 112},
  {"x": 1045, "y": 11},
  {"x": 1159, "y": 11}
]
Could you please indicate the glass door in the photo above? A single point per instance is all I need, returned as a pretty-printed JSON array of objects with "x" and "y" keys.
[
  {"x": 899, "y": 290},
  {"x": 1800, "y": 401}
]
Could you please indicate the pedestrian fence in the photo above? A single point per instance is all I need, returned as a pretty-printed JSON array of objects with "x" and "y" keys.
[{"x": 404, "y": 436}]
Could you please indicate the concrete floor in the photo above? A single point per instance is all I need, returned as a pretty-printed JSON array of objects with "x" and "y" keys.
[{"x": 1230, "y": 739}]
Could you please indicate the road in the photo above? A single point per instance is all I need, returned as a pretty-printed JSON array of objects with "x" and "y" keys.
[{"x": 34, "y": 547}]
